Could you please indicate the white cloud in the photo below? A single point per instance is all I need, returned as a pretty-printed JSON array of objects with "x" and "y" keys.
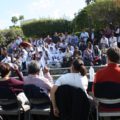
[
  {"x": 39, "y": 5},
  {"x": 15, "y": 14},
  {"x": 56, "y": 14},
  {"x": 53, "y": 8}
]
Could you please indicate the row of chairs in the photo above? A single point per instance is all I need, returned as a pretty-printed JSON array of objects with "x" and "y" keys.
[{"x": 40, "y": 102}]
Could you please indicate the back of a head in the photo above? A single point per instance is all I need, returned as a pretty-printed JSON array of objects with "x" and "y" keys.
[
  {"x": 79, "y": 66},
  {"x": 33, "y": 67},
  {"x": 113, "y": 54},
  {"x": 4, "y": 69}
]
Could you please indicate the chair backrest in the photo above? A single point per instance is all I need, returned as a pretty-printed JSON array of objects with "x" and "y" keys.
[
  {"x": 108, "y": 90},
  {"x": 72, "y": 103},
  {"x": 36, "y": 95},
  {"x": 8, "y": 99},
  {"x": 108, "y": 97}
]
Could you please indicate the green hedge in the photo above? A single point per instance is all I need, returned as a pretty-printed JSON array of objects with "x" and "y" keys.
[{"x": 44, "y": 27}]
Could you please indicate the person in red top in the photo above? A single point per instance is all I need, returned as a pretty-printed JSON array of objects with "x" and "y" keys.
[{"x": 109, "y": 74}]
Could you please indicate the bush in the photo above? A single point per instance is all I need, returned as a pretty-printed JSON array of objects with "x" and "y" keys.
[
  {"x": 77, "y": 33},
  {"x": 45, "y": 27},
  {"x": 8, "y": 35}
]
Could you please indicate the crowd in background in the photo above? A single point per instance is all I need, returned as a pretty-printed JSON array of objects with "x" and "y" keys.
[{"x": 61, "y": 49}]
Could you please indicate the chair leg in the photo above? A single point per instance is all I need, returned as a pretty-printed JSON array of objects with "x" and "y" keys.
[
  {"x": 27, "y": 115},
  {"x": 1, "y": 118},
  {"x": 102, "y": 118},
  {"x": 19, "y": 115},
  {"x": 97, "y": 114}
]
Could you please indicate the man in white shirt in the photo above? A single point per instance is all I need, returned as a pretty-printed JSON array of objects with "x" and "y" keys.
[
  {"x": 113, "y": 41},
  {"x": 104, "y": 42},
  {"x": 18, "y": 40},
  {"x": 24, "y": 56},
  {"x": 84, "y": 36},
  {"x": 7, "y": 59}
]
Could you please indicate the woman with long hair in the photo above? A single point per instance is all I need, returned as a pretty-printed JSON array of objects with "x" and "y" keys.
[{"x": 77, "y": 78}]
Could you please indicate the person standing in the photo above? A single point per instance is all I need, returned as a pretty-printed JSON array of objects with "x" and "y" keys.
[
  {"x": 113, "y": 41},
  {"x": 104, "y": 42},
  {"x": 84, "y": 36}
]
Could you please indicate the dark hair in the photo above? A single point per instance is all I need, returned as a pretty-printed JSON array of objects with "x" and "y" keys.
[
  {"x": 33, "y": 67},
  {"x": 113, "y": 54},
  {"x": 4, "y": 69},
  {"x": 79, "y": 66}
]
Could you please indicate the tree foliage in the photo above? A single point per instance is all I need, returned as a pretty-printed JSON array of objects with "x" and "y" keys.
[
  {"x": 89, "y": 1},
  {"x": 9, "y": 35},
  {"x": 2, "y": 38},
  {"x": 21, "y": 17},
  {"x": 14, "y": 20},
  {"x": 98, "y": 14}
]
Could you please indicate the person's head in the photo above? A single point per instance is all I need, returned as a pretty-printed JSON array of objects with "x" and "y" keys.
[
  {"x": 78, "y": 67},
  {"x": 56, "y": 34},
  {"x": 103, "y": 36},
  {"x": 76, "y": 48},
  {"x": 4, "y": 51},
  {"x": 67, "y": 49},
  {"x": 51, "y": 48},
  {"x": 89, "y": 45},
  {"x": 5, "y": 69},
  {"x": 112, "y": 35},
  {"x": 96, "y": 47},
  {"x": 113, "y": 55},
  {"x": 33, "y": 67}
]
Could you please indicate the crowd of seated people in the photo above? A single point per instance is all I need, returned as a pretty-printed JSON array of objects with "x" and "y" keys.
[
  {"x": 76, "y": 78},
  {"x": 59, "y": 51},
  {"x": 62, "y": 48}
]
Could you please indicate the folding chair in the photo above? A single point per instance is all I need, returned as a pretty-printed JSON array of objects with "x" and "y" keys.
[
  {"x": 9, "y": 104},
  {"x": 73, "y": 103},
  {"x": 39, "y": 100},
  {"x": 108, "y": 99},
  {"x": 107, "y": 112}
]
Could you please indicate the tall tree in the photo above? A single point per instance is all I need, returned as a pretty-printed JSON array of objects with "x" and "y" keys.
[
  {"x": 14, "y": 20},
  {"x": 99, "y": 15},
  {"x": 88, "y": 1},
  {"x": 21, "y": 17}
]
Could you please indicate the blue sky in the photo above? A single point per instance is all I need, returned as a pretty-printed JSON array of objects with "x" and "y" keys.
[{"x": 38, "y": 9}]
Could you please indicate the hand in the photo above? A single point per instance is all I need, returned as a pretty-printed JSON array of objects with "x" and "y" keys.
[
  {"x": 56, "y": 111},
  {"x": 14, "y": 67},
  {"x": 46, "y": 70}
]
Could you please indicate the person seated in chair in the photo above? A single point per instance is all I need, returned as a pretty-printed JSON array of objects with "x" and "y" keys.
[
  {"x": 6, "y": 81},
  {"x": 44, "y": 81},
  {"x": 108, "y": 76},
  {"x": 77, "y": 78}
]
